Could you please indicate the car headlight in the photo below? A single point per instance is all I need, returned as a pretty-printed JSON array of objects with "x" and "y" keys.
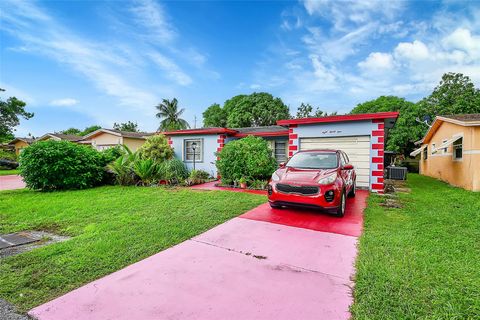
[
  {"x": 328, "y": 180},
  {"x": 275, "y": 177}
]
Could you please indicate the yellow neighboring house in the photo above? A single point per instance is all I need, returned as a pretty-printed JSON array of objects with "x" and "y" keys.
[
  {"x": 102, "y": 139},
  {"x": 59, "y": 137},
  {"x": 21, "y": 143},
  {"x": 450, "y": 150}
]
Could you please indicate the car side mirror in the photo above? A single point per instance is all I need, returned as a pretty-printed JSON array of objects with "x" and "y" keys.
[
  {"x": 347, "y": 167},
  {"x": 281, "y": 165}
]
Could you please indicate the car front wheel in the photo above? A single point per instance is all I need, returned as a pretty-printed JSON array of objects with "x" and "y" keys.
[{"x": 341, "y": 208}]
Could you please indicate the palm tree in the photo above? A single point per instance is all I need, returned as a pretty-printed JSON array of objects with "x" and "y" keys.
[{"x": 168, "y": 111}]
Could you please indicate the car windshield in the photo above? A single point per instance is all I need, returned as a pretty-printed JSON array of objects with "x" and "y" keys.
[{"x": 313, "y": 160}]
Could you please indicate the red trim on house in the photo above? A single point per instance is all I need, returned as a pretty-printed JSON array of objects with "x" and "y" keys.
[
  {"x": 378, "y": 133},
  {"x": 291, "y": 125},
  {"x": 380, "y": 153},
  {"x": 377, "y": 186},
  {"x": 349, "y": 117},
  {"x": 380, "y": 179},
  {"x": 290, "y": 153},
  {"x": 377, "y": 173},
  {"x": 377, "y": 159},
  {"x": 381, "y": 139},
  {"x": 292, "y": 148},
  {"x": 381, "y": 126},
  {"x": 380, "y": 166},
  {"x": 377, "y": 146},
  {"x": 200, "y": 131},
  {"x": 262, "y": 134},
  {"x": 377, "y": 120},
  {"x": 293, "y": 136}
]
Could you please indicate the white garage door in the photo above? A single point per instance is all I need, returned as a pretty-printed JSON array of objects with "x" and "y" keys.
[{"x": 357, "y": 148}]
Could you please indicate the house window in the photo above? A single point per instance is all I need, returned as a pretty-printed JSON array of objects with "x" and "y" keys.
[
  {"x": 458, "y": 149},
  {"x": 189, "y": 153},
  {"x": 444, "y": 150},
  {"x": 425, "y": 153},
  {"x": 280, "y": 151}
]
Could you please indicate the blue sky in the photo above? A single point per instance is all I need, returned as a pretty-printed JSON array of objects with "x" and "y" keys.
[{"x": 78, "y": 63}]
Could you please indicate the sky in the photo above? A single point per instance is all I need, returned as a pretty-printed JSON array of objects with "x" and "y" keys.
[{"x": 80, "y": 63}]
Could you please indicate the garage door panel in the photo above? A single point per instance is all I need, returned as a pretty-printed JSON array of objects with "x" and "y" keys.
[{"x": 357, "y": 148}]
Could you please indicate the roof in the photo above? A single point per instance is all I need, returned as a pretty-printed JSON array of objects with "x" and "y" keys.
[
  {"x": 125, "y": 134},
  {"x": 61, "y": 136},
  {"x": 341, "y": 118},
  {"x": 465, "y": 120},
  {"x": 265, "y": 131},
  {"x": 211, "y": 130},
  {"x": 27, "y": 140}
]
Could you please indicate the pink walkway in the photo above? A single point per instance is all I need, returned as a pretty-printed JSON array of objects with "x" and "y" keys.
[
  {"x": 257, "y": 266},
  {"x": 11, "y": 182}
]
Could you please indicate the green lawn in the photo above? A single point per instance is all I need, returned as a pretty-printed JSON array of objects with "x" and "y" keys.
[
  {"x": 8, "y": 172},
  {"x": 111, "y": 227},
  {"x": 421, "y": 261}
]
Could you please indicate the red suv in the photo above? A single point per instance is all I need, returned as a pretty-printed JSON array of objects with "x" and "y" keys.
[{"x": 315, "y": 179}]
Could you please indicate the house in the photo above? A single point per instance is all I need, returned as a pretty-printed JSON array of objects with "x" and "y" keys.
[
  {"x": 361, "y": 136},
  {"x": 59, "y": 137},
  {"x": 102, "y": 139},
  {"x": 21, "y": 143},
  {"x": 450, "y": 150}
]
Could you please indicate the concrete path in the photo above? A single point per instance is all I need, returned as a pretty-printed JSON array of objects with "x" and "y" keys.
[
  {"x": 11, "y": 182},
  {"x": 265, "y": 264}
]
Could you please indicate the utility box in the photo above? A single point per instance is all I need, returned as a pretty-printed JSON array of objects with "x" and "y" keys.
[{"x": 397, "y": 173}]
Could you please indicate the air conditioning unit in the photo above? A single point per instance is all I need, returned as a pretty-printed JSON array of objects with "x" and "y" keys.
[{"x": 397, "y": 173}]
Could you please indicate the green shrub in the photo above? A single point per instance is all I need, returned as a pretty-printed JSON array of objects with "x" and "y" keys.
[
  {"x": 197, "y": 177},
  {"x": 173, "y": 171},
  {"x": 8, "y": 155},
  {"x": 156, "y": 148},
  {"x": 146, "y": 170},
  {"x": 114, "y": 153},
  {"x": 57, "y": 165},
  {"x": 122, "y": 168},
  {"x": 249, "y": 158}
]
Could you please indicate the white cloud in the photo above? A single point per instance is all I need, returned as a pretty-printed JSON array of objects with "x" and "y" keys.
[
  {"x": 463, "y": 40},
  {"x": 172, "y": 70},
  {"x": 377, "y": 62},
  {"x": 65, "y": 102},
  {"x": 151, "y": 15},
  {"x": 415, "y": 50}
]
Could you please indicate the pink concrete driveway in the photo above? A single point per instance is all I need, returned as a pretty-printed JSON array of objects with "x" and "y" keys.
[
  {"x": 256, "y": 266},
  {"x": 11, "y": 182}
]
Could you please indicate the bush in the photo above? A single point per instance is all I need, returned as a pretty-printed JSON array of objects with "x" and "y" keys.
[
  {"x": 249, "y": 158},
  {"x": 57, "y": 165},
  {"x": 114, "y": 153},
  {"x": 156, "y": 148},
  {"x": 197, "y": 177},
  {"x": 8, "y": 155},
  {"x": 173, "y": 171},
  {"x": 122, "y": 168},
  {"x": 146, "y": 170}
]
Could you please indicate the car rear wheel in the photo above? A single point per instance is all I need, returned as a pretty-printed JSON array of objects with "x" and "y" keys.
[
  {"x": 341, "y": 208},
  {"x": 353, "y": 191}
]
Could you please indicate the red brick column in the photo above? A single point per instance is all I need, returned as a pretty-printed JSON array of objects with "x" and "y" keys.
[
  {"x": 221, "y": 144},
  {"x": 292, "y": 140},
  {"x": 378, "y": 147}
]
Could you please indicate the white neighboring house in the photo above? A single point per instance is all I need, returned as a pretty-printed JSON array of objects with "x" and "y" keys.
[
  {"x": 59, "y": 137},
  {"x": 102, "y": 139}
]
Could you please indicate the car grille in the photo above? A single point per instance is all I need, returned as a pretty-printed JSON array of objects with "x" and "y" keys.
[{"x": 305, "y": 190}]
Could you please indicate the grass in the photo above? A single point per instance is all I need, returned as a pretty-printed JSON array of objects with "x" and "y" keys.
[
  {"x": 111, "y": 227},
  {"x": 421, "y": 261},
  {"x": 8, "y": 172}
]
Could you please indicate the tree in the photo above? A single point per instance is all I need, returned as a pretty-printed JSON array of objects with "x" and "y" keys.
[
  {"x": 126, "y": 126},
  {"x": 305, "y": 111},
  {"x": 10, "y": 112},
  {"x": 215, "y": 116},
  {"x": 168, "y": 111},
  {"x": 90, "y": 129},
  {"x": 455, "y": 94},
  {"x": 73, "y": 131},
  {"x": 406, "y": 131}
]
